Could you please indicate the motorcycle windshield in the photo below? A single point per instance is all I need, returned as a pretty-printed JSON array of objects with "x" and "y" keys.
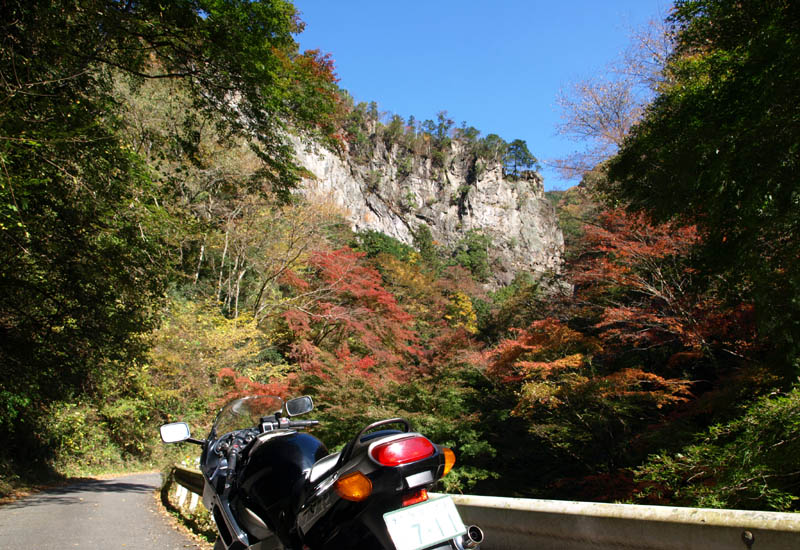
[{"x": 245, "y": 412}]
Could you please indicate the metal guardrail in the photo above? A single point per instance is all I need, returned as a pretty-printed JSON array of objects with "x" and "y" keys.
[
  {"x": 188, "y": 477},
  {"x": 517, "y": 523},
  {"x": 563, "y": 525}
]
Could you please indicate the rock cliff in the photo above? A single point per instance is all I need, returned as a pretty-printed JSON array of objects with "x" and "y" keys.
[{"x": 394, "y": 193}]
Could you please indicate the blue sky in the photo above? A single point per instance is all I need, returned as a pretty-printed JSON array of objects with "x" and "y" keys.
[{"x": 496, "y": 65}]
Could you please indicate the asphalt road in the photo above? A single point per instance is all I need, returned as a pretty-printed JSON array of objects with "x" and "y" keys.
[{"x": 120, "y": 513}]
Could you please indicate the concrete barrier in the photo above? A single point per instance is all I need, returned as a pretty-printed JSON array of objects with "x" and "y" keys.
[{"x": 517, "y": 523}]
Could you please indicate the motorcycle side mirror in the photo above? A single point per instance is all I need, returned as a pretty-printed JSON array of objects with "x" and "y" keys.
[
  {"x": 175, "y": 432},
  {"x": 299, "y": 405}
]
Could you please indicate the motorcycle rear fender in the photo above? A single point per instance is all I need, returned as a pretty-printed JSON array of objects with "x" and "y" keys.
[
  {"x": 326, "y": 471},
  {"x": 325, "y": 513}
]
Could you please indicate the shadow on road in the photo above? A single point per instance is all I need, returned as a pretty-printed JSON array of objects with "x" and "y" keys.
[{"x": 70, "y": 494}]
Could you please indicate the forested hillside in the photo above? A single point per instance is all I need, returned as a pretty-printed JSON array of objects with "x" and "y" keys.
[{"x": 156, "y": 262}]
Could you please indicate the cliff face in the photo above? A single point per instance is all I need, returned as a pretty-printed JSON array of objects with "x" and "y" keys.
[{"x": 395, "y": 193}]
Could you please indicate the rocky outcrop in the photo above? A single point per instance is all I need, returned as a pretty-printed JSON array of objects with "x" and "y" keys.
[{"x": 395, "y": 192}]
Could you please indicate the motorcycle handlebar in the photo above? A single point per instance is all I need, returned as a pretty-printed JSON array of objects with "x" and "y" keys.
[
  {"x": 302, "y": 423},
  {"x": 233, "y": 457}
]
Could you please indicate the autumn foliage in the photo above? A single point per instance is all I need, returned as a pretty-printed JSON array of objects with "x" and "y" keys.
[
  {"x": 651, "y": 295},
  {"x": 583, "y": 411},
  {"x": 581, "y": 385},
  {"x": 588, "y": 382},
  {"x": 238, "y": 385},
  {"x": 158, "y": 263},
  {"x": 341, "y": 315},
  {"x": 542, "y": 350}
]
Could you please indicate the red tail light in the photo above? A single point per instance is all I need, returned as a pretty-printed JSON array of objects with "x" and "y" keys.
[
  {"x": 402, "y": 451},
  {"x": 415, "y": 497}
]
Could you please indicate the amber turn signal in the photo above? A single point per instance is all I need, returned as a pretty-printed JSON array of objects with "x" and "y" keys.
[
  {"x": 449, "y": 460},
  {"x": 355, "y": 487}
]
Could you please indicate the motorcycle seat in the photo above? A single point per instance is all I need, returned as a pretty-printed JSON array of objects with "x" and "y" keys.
[{"x": 322, "y": 467}]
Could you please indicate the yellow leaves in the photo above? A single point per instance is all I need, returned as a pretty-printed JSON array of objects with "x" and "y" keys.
[
  {"x": 406, "y": 275},
  {"x": 412, "y": 287},
  {"x": 264, "y": 372},
  {"x": 197, "y": 341},
  {"x": 267, "y": 242},
  {"x": 461, "y": 314},
  {"x": 536, "y": 394}
]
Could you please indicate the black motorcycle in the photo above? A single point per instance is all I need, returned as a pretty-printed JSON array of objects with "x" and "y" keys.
[{"x": 270, "y": 486}]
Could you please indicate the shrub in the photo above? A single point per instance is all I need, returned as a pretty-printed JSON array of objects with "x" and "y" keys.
[{"x": 749, "y": 462}]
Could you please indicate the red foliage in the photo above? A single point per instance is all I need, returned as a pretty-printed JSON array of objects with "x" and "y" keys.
[
  {"x": 292, "y": 279},
  {"x": 449, "y": 345},
  {"x": 627, "y": 251},
  {"x": 640, "y": 273},
  {"x": 319, "y": 64},
  {"x": 240, "y": 386},
  {"x": 344, "y": 318},
  {"x": 307, "y": 356}
]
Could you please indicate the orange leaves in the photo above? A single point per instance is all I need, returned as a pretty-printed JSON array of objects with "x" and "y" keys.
[
  {"x": 320, "y": 65},
  {"x": 636, "y": 383},
  {"x": 545, "y": 368},
  {"x": 545, "y": 347},
  {"x": 637, "y": 326},
  {"x": 633, "y": 236},
  {"x": 563, "y": 391}
]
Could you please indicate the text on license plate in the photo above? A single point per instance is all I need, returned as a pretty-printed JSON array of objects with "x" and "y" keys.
[{"x": 424, "y": 524}]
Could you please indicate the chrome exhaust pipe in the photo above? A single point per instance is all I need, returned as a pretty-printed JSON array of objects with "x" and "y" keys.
[{"x": 472, "y": 538}]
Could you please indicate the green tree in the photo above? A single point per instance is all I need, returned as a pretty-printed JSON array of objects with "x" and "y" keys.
[
  {"x": 472, "y": 253},
  {"x": 444, "y": 125},
  {"x": 746, "y": 463},
  {"x": 492, "y": 148},
  {"x": 374, "y": 243},
  {"x": 467, "y": 134},
  {"x": 394, "y": 130},
  {"x": 428, "y": 250},
  {"x": 81, "y": 216},
  {"x": 719, "y": 148},
  {"x": 518, "y": 158}
]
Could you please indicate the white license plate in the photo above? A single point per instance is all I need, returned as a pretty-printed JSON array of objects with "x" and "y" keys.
[{"x": 425, "y": 524}]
